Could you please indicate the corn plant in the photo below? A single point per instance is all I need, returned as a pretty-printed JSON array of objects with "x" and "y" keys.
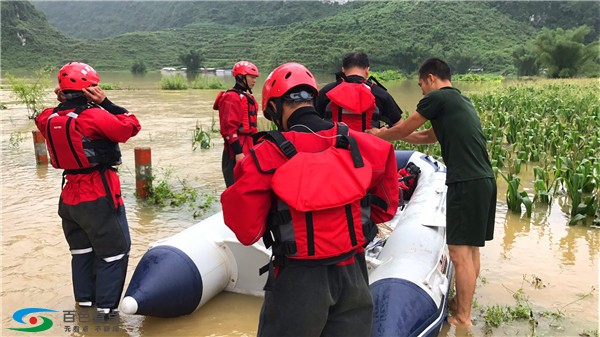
[
  {"x": 542, "y": 185},
  {"x": 555, "y": 125},
  {"x": 516, "y": 198}
]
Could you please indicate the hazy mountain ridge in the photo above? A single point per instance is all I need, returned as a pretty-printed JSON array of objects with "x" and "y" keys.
[{"x": 397, "y": 35}]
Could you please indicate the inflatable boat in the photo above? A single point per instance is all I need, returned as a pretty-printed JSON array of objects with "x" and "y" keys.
[{"x": 409, "y": 269}]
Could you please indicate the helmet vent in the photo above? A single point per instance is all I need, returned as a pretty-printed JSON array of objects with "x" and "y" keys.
[
  {"x": 309, "y": 74},
  {"x": 273, "y": 84},
  {"x": 288, "y": 75},
  {"x": 72, "y": 80},
  {"x": 83, "y": 79}
]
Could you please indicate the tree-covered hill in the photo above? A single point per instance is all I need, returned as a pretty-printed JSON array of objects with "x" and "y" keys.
[
  {"x": 396, "y": 34},
  {"x": 554, "y": 14},
  {"x": 100, "y": 19},
  {"x": 28, "y": 40}
]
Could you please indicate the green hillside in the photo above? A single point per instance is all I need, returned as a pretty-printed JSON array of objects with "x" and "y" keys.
[
  {"x": 28, "y": 40},
  {"x": 100, "y": 19},
  {"x": 554, "y": 14},
  {"x": 396, "y": 34}
]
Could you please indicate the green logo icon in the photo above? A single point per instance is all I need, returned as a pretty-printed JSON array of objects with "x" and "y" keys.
[{"x": 46, "y": 323}]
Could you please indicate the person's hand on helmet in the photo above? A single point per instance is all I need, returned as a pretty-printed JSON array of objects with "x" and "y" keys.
[
  {"x": 59, "y": 95},
  {"x": 94, "y": 94}
]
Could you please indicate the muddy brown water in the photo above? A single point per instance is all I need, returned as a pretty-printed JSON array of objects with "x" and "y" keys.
[{"x": 36, "y": 260}]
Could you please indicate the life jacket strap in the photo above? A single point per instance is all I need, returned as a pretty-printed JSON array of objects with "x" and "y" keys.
[
  {"x": 78, "y": 110},
  {"x": 369, "y": 227},
  {"x": 287, "y": 147},
  {"x": 345, "y": 141},
  {"x": 102, "y": 170},
  {"x": 251, "y": 112},
  {"x": 379, "y": 202}
]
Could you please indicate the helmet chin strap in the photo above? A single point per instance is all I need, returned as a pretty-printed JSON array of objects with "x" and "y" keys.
[
  {"x": 244, "y": 81},
  {"x": 72, "y": 94},
  {"x": 274, "y": 114}
]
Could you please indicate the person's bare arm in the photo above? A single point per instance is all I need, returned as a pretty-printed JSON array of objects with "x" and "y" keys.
[
  {"x": 400, "y": 130},
  {"x": 421, "y": 137}
]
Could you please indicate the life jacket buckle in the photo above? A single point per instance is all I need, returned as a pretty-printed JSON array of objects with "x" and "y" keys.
[{"x": 288, "y": 149}]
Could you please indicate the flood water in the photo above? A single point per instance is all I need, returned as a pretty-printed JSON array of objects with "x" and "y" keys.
[{"x": 555, "y": 265}]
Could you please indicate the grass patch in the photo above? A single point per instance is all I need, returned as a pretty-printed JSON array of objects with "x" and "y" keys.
[
  {"x": 177, "y": 82},
  {"x": 109, "y": 86},
  {"x": 388, "y": 75},
  {"x": 205, "y": 82}
]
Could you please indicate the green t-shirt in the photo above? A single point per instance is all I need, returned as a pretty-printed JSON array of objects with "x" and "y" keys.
[{"x": 458, "y": 130}]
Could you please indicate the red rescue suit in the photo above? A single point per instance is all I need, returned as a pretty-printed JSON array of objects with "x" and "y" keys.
[
  {"x": 249, "y": 204},
  {"x": 353, "y": 104},
  {"x": 237, "y": 118},
  {"x": 82, "y": 139}
]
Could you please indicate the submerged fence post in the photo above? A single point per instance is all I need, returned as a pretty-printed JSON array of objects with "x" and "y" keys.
[
  {"x": 39, "y": 144},
  {"x": 143, "y": 170}
]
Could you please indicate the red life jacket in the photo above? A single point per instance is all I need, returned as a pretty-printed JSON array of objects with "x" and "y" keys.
[
  {"x": 71, "y": 150},
  {"x": 248, "y": 103},
  {"x": 353, "y": 104},
  {"x": 407, "y": 181},
  {"x": 316, "y": 220}
]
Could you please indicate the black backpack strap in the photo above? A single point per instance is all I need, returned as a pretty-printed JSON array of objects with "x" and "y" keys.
[
  {"x": 345, "y": 141},
  {"x": 373, "y": 79}
]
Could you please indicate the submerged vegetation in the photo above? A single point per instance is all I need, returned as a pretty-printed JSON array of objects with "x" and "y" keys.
[
  {"x": 555, "y": 128},
  {"x": 205, "y": 82},
  {"x": 523, "y": 310},
  {"x": 472, "y": 77},
  {"x": 200, "y": 138},
  {"x": 388, "y": 75},
  {"x": 162, "y": 193},
  {"x": 177, "y": 82}
]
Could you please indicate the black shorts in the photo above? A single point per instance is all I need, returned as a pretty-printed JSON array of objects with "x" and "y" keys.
[{"x": 470, "y": 213}]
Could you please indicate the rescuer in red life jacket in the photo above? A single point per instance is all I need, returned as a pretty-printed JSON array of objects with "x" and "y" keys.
[
  {"x": 314, "y": 193},
  {"x": 82, "y": 135},
  {"x": 237, "y": 116},
  {"x": 355, "y": 99}
]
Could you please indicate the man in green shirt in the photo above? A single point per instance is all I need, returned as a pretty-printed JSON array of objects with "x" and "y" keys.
[{"x": 471, "y": 198}]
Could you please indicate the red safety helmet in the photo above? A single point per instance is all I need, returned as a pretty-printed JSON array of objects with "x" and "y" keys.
[
  {"x": 244, "y": 68},
  {"x": 284, "y": 78},
  {"x": 77, "y": 76}
]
